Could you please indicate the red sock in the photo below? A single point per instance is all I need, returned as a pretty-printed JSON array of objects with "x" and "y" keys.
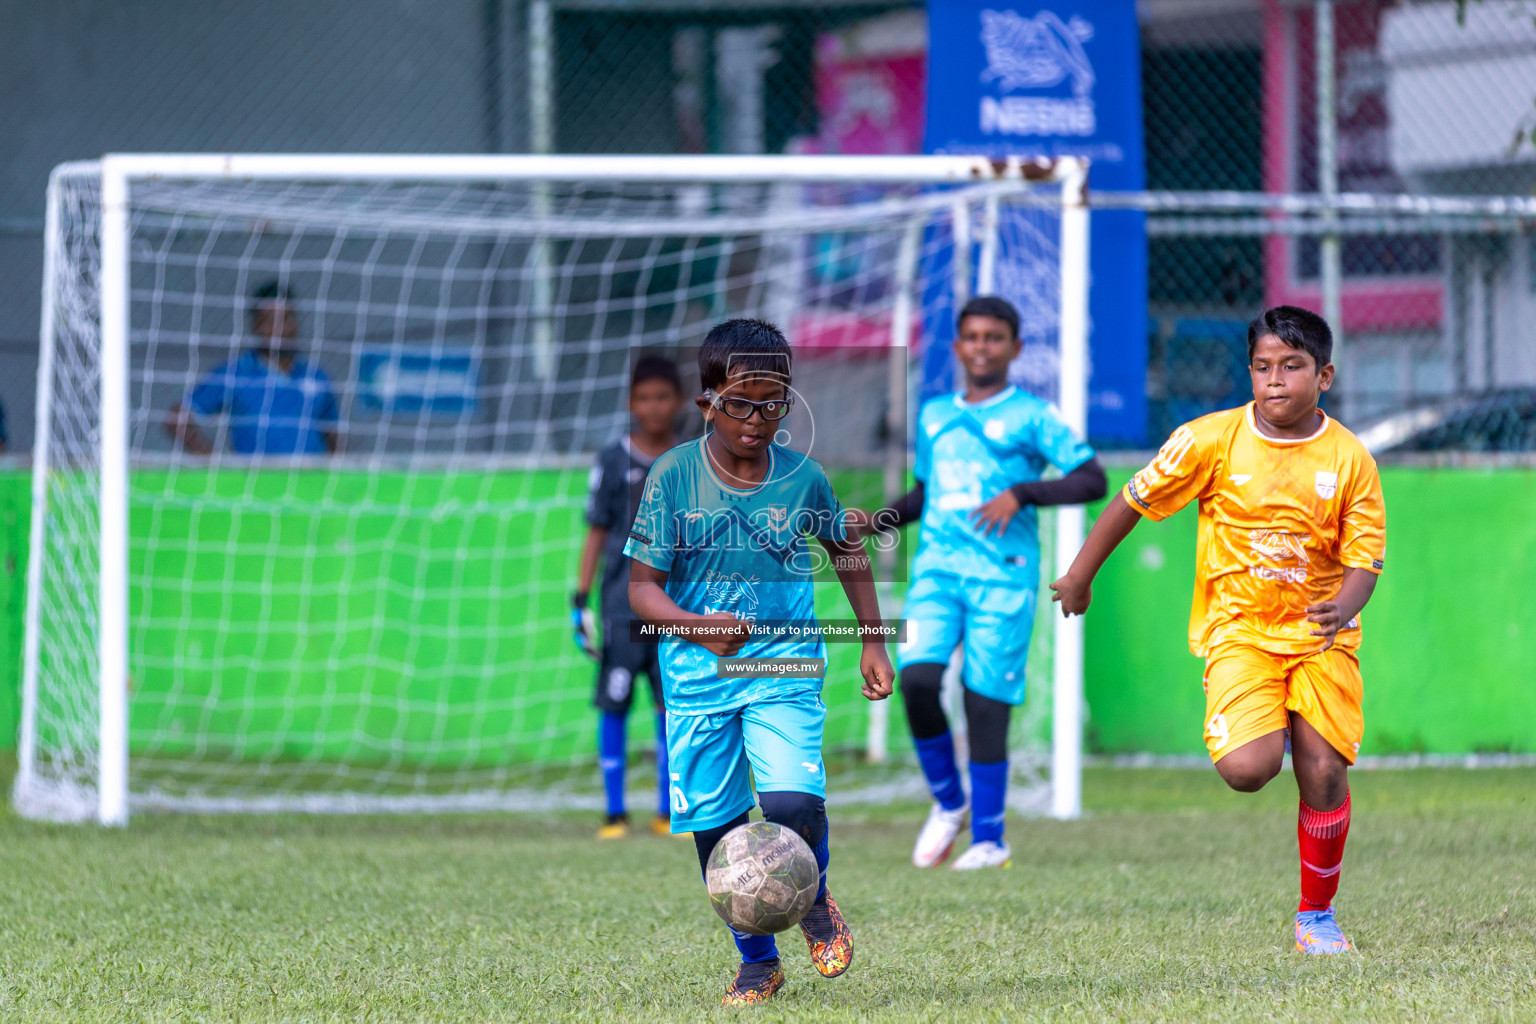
[{"x": 1321, "y": 834}]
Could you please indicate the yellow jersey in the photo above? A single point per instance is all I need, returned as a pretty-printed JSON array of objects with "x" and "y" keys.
[{"x": 1279, "y": 522}]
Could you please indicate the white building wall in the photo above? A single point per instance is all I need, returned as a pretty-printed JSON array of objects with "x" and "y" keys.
[
  {"x": 1458, "y": 94},
  {"x": 1462, "y": 104}
]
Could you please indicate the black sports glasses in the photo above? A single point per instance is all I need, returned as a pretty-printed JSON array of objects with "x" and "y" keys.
[{"x": 772, "y": 410}]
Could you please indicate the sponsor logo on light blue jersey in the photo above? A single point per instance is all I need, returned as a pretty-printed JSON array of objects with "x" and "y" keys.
[
  {"x": 736, "y": 549},
  {"x": 968, "y": 454}
]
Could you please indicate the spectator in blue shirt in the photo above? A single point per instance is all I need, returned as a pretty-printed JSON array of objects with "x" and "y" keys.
[{"x": 278, "y": 404}]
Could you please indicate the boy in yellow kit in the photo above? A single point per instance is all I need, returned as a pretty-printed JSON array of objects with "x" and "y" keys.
[{"x": 1292, "y": 537}]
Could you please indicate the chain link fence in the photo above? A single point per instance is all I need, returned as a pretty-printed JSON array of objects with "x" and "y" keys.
[{"x": 1426, "y": 99}]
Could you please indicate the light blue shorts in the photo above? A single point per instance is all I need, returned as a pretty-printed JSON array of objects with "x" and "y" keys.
[
  {"x": 714, "y": 759},
  {"x": 994, "y": 620}
]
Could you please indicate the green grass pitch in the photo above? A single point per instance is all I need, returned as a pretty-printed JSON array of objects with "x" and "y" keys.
[{"x": 1171, "y": 901}]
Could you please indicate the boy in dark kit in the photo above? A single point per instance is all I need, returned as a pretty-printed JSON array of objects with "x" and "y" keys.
[{"x": 614, "y": 489}]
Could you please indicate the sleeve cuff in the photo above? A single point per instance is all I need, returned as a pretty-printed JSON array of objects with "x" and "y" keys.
[
  {"x": 1079, "y": 464},
  {"x": 1375, "y": 565},
  {"x": 1128, "y": 492},
  {"x": 649, "y": 558}
]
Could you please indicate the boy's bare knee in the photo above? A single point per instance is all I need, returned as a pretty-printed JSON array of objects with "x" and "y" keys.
[
  {"x": 1247, "y": 774},
  {"x": 1323, "y": 782},
  {"x": 1250, "y": 767},
  {"x": 1248, "y": 780}
]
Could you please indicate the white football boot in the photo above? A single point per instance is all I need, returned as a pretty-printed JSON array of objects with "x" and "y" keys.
[
  {"x": 937, "y": 838},
  {"x": 984, "y": 855}
]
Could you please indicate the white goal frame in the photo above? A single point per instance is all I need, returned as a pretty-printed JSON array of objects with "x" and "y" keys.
[{"x": 119, "y": 172}]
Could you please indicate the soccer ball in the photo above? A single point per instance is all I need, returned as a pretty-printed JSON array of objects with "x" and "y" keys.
[{"x": 762, "y": 878}]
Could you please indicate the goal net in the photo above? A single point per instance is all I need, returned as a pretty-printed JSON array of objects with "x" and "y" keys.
[{"x": 357, "y": 599}]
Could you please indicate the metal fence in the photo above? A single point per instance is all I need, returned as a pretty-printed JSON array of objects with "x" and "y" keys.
[
  {"x": 1239, "y": 96},
  {"x": 1437, "y": 353}
]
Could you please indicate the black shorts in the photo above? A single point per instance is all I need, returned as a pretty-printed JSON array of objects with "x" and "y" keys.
[{"x": 624, "y": 659}]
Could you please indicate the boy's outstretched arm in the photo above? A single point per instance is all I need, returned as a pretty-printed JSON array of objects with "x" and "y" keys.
[
  {"x": 1331, "y": 616},
  {"x": 851, "y": 564},
  {"x": 1075, "y": 590},
  {"x": 649, "y": 600}
]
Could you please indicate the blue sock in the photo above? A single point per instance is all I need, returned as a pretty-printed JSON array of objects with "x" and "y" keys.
[
  {"x": 989, "y": 788},
  {"x": 937, "y": 756},
  {"x": 823, "y": 853},
  {"x": 755, "y": 948},
  {"x": 610, "y": 756},
  {"x": 663, "y": 780}
]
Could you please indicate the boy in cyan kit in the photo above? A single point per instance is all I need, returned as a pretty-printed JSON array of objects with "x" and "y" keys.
[
  {"x": 981, "y": 456},
  {"x": 720, "y": 542},
  {"x": 617, "y": 481}
]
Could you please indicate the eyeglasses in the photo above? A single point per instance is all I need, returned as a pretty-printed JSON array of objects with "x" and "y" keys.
[{"x": 772, "y": 410}]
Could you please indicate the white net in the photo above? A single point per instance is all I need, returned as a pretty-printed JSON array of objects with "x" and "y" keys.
[{"x": 358, "y": 600}]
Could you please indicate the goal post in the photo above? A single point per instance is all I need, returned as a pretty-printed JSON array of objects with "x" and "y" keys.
[
  {"x": 384, "y": 629},
  {"x": 1067, "y": 660}
]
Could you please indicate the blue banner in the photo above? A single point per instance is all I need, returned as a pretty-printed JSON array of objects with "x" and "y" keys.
[
  {"x": 434, "y": 382},
  {"x": 1058, "y": 80}
]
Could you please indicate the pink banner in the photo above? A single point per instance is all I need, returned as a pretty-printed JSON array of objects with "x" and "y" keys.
[{"x": 869, "y": 104}]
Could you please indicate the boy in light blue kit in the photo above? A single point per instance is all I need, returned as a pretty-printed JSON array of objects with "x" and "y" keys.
[
  {"x": 719, "y": 542},
  {"x": 980, "y": 455}
]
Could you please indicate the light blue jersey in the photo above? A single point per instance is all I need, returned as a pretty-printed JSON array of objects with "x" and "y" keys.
[
  {"x": 966, "y": 588},
  {"x": 968, "y": 454},
  {"x": 734, "y": 549}
]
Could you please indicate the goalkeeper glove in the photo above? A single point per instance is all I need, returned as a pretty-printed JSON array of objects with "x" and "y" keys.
[{"x": 584, "y": 625}]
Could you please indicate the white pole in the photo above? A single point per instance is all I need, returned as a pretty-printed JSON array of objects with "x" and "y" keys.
[
  {"x": 952, "y": 170},
  {"x": 1067, "y": 696},
  {"x": 986, "y": 262},
  {"x": 112, "y": 641},
  {"x": 541, "y": 87},
  {"x": 785, "y": 267},
  {"x": 897, "y": 361},
  {"x": 26, "y": 747},
  {"x": 960, "y": 221},
  {"x": 1332, "y": 271},
  {"x": 541, "y": 132},
  {"x": 950, "y": 683}
]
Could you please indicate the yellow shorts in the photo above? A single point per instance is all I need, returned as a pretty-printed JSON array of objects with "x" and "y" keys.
[{"x": 1249, "y": 691}]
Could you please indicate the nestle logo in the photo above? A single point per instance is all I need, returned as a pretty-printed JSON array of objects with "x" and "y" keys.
[
  {"x": 1282, "y": 574},
  {"x": 1037, "y": 115},
  {"x": 1278, "y": 545}
]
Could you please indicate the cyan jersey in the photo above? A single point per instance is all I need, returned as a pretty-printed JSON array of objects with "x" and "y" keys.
[
  {"x": 738, "y": 550},
  {"x": 969, "y": 454}
]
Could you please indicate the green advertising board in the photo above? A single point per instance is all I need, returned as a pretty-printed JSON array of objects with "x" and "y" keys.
[{"x": 298, "y": 607}]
